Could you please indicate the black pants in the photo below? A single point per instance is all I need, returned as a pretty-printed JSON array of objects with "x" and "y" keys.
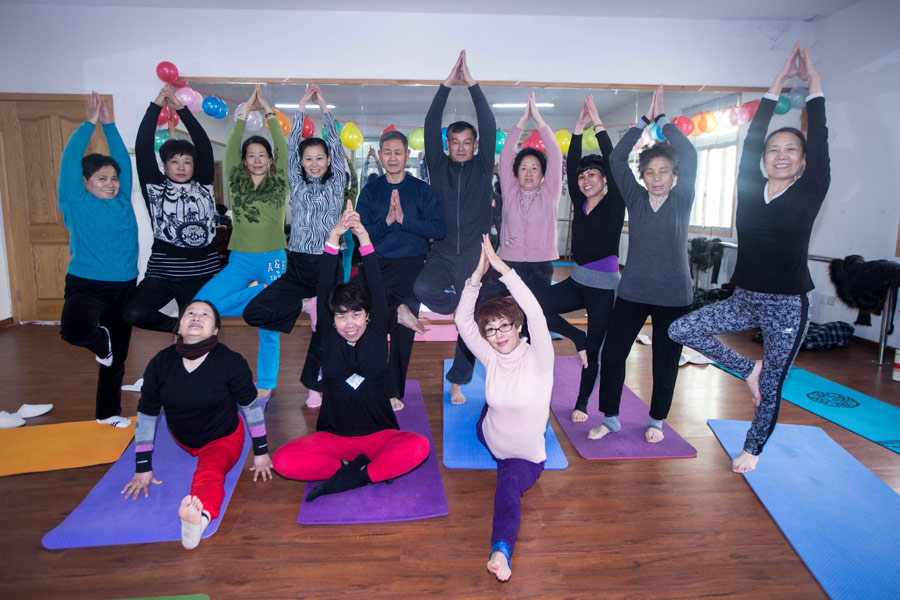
[
  {"x": 88, "y": 305},
  {"x": 277, "y": 307},
  {"x": 625, "y": 324},
  {"x": 153, "y": 293},
  {"x": 569, "y": 295}
]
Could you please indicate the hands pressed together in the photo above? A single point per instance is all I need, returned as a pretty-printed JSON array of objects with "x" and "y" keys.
[
  {"x": 488, "y": 258},
  {"x": 798, "y": 64},
  {"x": 349, "y": 221},
  {"x": 97, "y": 111},
  {"x": 587, "y": 115},
  {"x": 531, "y": 112},
  {"x": 313, "y": 94},
  {"x": 460, "y": 72},
  {"x": 395, "y": 212}
]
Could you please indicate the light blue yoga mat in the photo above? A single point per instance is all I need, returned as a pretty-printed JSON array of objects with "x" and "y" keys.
[
  {"x": 462, "y": 450},
  {"x": 839, "y": 517},
  {"x": 863, "y": 415}
]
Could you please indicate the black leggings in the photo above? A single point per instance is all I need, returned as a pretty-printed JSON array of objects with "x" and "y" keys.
[
  {"x": 153, "y": 293},
  {"x": 625, "y": 324}
]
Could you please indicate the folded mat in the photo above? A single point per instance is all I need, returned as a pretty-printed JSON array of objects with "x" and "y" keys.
[
  {"x": 61, "y": 446},
  {"x": 416, "y": 495},
  {"x": 863, "y": 415},
  {"x": 105, "y": 518},
  {"x": 629, "y": 442},
  {"x": 462, "y": 450},
  {"x": 839, "y": 517}
]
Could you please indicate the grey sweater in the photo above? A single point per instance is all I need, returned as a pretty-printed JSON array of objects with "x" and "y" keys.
[{"x": 656, "y": 270}]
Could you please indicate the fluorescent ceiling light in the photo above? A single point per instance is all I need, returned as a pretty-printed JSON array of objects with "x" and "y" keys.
[
  {"x": 522, "y": 105},
  {"x": 295, "y": 106}
]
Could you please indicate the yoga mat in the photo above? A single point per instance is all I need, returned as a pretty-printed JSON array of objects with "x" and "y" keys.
[
  {"x": 863, "y": 415},
  {"x": 462, "y": 450},
  {"x": 189, "y": 597},
  {"x": 839, "y": 517},
  {"x": 629, "y": 442},
  {"x": 37, "y": 448},
  {"x": 105, "y": 518},
  {"x": 416, "y": 495}
]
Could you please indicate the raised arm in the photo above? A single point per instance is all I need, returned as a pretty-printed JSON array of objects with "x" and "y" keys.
[
  {"x": 118, "y": 152},
  {"x": 818, "y": 162},
  {"x": 465, "y": 312},
  {"x": 144, "y": 153},
  {"x": 487, "y": 124},
  {"x": 434, "y": 145},
  {"x": 631, "y": 190},
  {"x": 687, "y": 154},
  {"x": 205, "y": 167},
  {"x": 573, "y": 158},
  {"x": 279, "y": 144},
  {"x": 295, "y": 137},
  {"x": 552, "y": 184},
  {"x": 233, "y": 146},
  {"x": 71, "y": 182},
  {"x": 509, "y": 184},
  {"x": 378, "y": 313}
]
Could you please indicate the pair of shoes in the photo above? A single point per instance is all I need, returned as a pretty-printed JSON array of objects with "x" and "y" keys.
[
  {"x": 115, "y": 421},
  {"x": 108, "y": 359},
  {"x": 27, "y": 411},
  {"x": 8, "y": 421}
]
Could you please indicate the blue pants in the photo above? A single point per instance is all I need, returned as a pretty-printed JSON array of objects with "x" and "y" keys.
[{"x": 229, "y": 293}]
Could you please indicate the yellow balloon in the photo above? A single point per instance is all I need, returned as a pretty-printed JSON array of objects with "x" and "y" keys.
[
  {"x": 563, "y": 138},
  {"x": 351, "y": 136},
  {"x": 417, "y": 139}
]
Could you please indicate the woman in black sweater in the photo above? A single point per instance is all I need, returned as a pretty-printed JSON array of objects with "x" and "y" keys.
[
  {"x": 596, "y": 227},
  {"x": 774, "y": 222}
]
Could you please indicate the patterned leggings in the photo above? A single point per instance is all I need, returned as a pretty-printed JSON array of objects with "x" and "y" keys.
[{"x": 783, "y": 319}]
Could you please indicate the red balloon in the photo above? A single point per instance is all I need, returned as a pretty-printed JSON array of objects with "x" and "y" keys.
[
  {"x": 685, "y": 125},
  {"x": 751, "y": 107},
  {"x": 309, "y": 129},
  {"x": 163, "y": 118},
  {"x": 179, "y": 84},
  {"x": 166, "y": 71},
  {"x": 534, "y": 141},
  {"x": 389, "y": 128}
]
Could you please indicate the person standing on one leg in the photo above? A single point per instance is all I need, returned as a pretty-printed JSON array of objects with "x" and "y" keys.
[
  {"x": 461, "y": 180},
  {"x": 775, "y": 216},
  {"x": 656, "y": 280},
  {"x": 401, "y": 214},
  {"x": 95, "y": 201}
]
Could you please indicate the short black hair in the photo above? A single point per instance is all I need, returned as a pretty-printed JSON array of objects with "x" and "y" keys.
[
  {"x": 540, "y": 156},
  {"x": 215, "y": 311},
  {"x": 309, "y": 143},
  {"x": 172, "y": 148},
  {"x": 792, "y": 130},
  {"x": 591, "y": 162},
  {"x": 658, "y": 150},
  {"x": 459, "y": 127},
  {"x": 92, "y": 163},
  {"x": 393, "y": 134},
  {"x": 349, "y": 297}
]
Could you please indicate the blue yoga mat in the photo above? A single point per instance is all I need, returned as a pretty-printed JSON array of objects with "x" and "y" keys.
[
  {"x": 462, "y": 450},
  {"x": 105, "y": 518},
  {"x": 839, "y": 517},
  {"x": 863, "y": 415}
]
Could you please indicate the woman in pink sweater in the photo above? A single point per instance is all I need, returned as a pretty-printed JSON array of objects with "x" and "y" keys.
[
  {"x": 531, "y": 185},
  {"x": 517, "y": 390}
]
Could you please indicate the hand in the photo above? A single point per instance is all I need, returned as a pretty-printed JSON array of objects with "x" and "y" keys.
[
  {"x": 455, "y": 74},
  {"x": 535, "y": 113},
  {"x": 261, "y": 101},
  {"x": 262, "y": 467},
  {"x": 391, "y": 218},
  {"x": 319, "y": 99},
  {"x": 592, "y": 111},
  {"x": 371, "y": 153},
  {"x": 105, "y": 117},
  {"x": 496, "y": 262},
  {"x": 480, "y": 269},
  {"x": 464, "y": 71},
  {"x": 93, "y": 110},
  {"x": 171, "y": 99},
  {"x": 357, "y": 228},
  {"x": 341, "y": 227},
  {"x": 808, "y": 72},
  {"x": 396, "y": 207},
  {"x": 790, "y": 69},
  {"x": 307, "y": 96},
  {"x": 526, "y": 114},
  {"x": 140, "y": 482},
  {"x": 583, "y": 117},
  {"x": 161, "y": 97},
  {"x": 253, "y": 103}
]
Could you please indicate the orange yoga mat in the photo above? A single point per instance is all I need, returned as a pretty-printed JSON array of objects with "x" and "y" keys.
[{"x": 31, "y": 449}]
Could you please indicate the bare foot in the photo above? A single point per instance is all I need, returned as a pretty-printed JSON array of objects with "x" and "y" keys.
[
  {"x": 456, "y": 395},
  {"x": 653, "y": 435},
  {"x": 753, "y": 383},
  {"x": 499, "y": 567},
  {"x": 262, "y": 393},
  {"x": 407, "y": 319},
  {"x": 579, "y": 416},
  {"x": 744, "y": 463},
  {"x": 582, "y": 354},
  {"x": 193, "y": 521},
  {"x": 397, "y": 404},
  {"x": 314, "y": 399},
  {"x": 309, "y": 307},
  {"x": 598, "y": 432}
]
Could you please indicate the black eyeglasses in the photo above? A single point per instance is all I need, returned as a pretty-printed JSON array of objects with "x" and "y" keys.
[{"x": 490, "y": 331}]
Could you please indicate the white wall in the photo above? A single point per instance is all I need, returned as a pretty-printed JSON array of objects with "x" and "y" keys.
[{"x": 77, "y": 49}]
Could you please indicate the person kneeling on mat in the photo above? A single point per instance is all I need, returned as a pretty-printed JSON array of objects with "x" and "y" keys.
[
  {"x": 200, "y": 383},
  {"x": 357, "y": 439}
]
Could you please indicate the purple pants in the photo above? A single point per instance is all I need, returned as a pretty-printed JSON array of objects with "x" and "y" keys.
[{"x": 514, "y": 477}]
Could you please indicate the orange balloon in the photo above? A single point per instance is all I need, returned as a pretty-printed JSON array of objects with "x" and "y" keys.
[
  {"x": 696, "y": 120},
  {"x": 708, "y": 122},
  {"x": 283, "y": 122}
]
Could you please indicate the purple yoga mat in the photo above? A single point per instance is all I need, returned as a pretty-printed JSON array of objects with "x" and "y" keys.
[
  {"x": 629, "y": 442},
  {"x": 105, "y": 518},
  {"x": 416, "y": 495}
]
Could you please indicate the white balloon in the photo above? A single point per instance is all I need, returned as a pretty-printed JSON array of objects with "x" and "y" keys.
[{"x": 254, "y": 121}]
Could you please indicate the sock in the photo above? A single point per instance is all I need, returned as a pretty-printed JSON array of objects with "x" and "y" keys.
[
  {"x": 503, "y": 548},
  {"x": 350, "y": 476},
  {"x": 655, "y": 424},
  {"x": 191, "y": 533},
  {"x": 611, "y": 423}
]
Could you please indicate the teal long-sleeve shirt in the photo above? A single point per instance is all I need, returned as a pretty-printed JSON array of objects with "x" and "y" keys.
[{"x": 103, "y": 239}]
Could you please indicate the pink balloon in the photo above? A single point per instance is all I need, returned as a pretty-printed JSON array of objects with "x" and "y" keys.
[
  {"x": 186, "y": 96},
  {"x": 198, "y": 102},
  {"x": 166, "y": 71},
  {"x": 733, "y": 115},
  {"x": 743, "y": 115},
  {"x": 254, "y": 121}
]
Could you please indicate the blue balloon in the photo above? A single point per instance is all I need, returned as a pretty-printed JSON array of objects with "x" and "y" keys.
[
  {"x": 797, "y": 96},
  {"x": 223, "y": 110},
  {"x": 656, "y": 132},
  {"x": 211, "y": 106},
  {"x": 444, "y": 136}
]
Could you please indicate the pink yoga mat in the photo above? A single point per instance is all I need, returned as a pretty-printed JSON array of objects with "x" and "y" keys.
[{"x": 629, "y": 442}]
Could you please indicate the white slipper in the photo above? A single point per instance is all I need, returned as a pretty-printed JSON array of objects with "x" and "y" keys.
[
  {"x": 135, "y": 387},
  {"x": 115, "y": 421},
  {"x": 8, "y": 421},
  {"x": 27, "y": 411}
]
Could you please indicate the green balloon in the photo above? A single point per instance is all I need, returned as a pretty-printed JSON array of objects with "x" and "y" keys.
[
  {"x": 325, "y": 131},
  {"x": 160, "y": 138},
  {"x": 784, "y": 105},
  {"x": 417, "y": 139},
  {"x": 589, "y": 140},
  {"x": 501, "y": 139}
]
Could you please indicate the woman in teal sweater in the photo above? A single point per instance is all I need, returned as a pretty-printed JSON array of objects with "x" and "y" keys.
[
  {"x": 95, "y": 201},
  {"x": 257, "y": 180}
]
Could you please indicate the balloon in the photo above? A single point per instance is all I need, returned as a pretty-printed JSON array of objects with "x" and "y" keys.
[
  {"x": 254, "y": 121},
  {"x": 211, "y": 106},
  {"x": 685, "y": 125},
  {"x": 534, "y": 141},
  {"x": 743, "y": 115},
  {"x": 708, "y": 122},
  {"x": 733, "y": 116},
  {"x": 238, "y": 110},
  {"x": 283, "y": 121},
  {"x": 797, "y": 96},
  {"x": 187, "y": 97},
  {"x": 444, "y": 137},
  {"x": 389, "y": 128},
  {"x": 751, "y": 107},
  {"x": 656, "y": 132},
  {"x": 417, "y": 139},
  {"x": 783, "y": 105},
  {"x": 589, "y": 140},
  {"x": 337, "y": 126},
  {"x": 223, "y": 109},
  {"x": 351, "y": 136},
  {"x": 163, "y": 117},
  {"x": 179, "y": 84},
  {"x": 564, "y": 139},
  {"x": 198, "y": 102},
  {"x": 501, "y": 139},
  {"x": 696, "y": 121},
  {"x": 309, "y": 128},
  {"x": 160, "y": 138},
  {"x": 166, "y": 71}
]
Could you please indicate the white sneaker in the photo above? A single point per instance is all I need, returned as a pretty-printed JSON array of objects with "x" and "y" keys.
[
  {"x": 108, "y": 360},
  {"x": 115, "y": 421},
  {"x": 8, "y": 421},
  {"x": 27, "y": 411}
]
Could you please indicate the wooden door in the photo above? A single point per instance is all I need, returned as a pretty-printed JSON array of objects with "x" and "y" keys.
[{"x": 35, "y": 129}]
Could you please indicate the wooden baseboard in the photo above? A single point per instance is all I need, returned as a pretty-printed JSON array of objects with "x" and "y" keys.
[{"x": 6, "y": 323}]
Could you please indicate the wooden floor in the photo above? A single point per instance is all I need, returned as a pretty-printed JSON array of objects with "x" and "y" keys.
[{"x": 674, "y": 528}]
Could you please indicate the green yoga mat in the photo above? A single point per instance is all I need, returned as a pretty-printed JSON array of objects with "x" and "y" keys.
[{"x": 863, "y": 415}]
